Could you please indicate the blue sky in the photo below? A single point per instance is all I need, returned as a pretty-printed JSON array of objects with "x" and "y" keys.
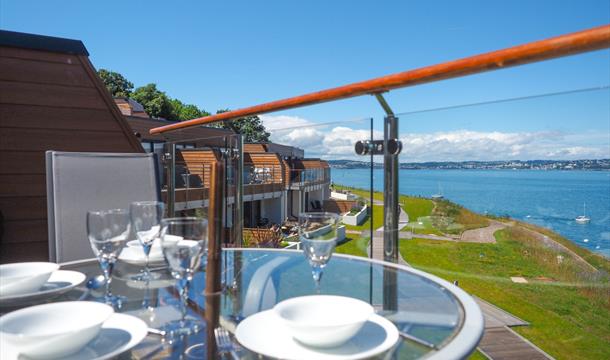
[{"x": 240, "y": 53}]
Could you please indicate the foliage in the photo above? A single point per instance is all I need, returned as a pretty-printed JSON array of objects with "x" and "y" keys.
[
  {"x": 156, "y": 103},
  {"x": 262, "y": 238},
  {"x": 117, "y": 84},
  {"x": 446, "y": 213},
  {"x": 183, "y": 112},
  {"x": 251, "y": 127}
]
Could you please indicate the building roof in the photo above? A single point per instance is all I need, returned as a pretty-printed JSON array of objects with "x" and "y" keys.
[
  {"x": 282, "y": 150},
  {"x": 50, "y": 99},
  {"x": 41, "y": 42},
  {"x": 141, "y": 126}
]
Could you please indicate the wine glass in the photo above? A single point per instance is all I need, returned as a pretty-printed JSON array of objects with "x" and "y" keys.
[
  {"x": 185, "y": 247},
  {"x": 318, "y": 235},
  {"x": 146, "y": 221},
  {"x": 108, "y": 231}
]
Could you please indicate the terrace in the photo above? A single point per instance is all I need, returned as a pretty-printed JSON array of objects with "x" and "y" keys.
[{"x": 237, "y": 185}]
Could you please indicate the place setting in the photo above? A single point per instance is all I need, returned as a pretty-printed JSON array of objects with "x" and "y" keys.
[
  {"x": 31, "y": 282},
  {"x": 97, "y": 326},
  {"x": 74, "y": 330},
  {"x": 318, "y": 326}
]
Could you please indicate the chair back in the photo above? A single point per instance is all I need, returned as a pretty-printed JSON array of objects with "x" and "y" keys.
[{"x": 78, "y": 182}]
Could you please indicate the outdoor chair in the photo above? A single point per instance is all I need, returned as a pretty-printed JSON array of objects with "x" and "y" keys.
[{"x": 80, "y": 182}]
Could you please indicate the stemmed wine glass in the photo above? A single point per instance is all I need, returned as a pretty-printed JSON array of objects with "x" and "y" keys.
[
  {"x": 146, "y": 221},
  {"x": 108, "y": 231},
  {"x": 185, "y": 247},
  {"x": 318, "y": 235}
]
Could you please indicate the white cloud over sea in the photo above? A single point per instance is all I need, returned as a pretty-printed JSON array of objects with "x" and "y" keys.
[{"x": 336, "y": 141}]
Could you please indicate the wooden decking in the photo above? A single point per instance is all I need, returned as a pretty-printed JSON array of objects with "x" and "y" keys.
[{"x": 502, "y": 343}]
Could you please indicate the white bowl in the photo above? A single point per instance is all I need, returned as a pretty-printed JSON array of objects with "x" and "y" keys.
[
  {"x": 24, "y": 278},
  {"x": 53, "y": 330},
  {"x": 323, "y": 320}
]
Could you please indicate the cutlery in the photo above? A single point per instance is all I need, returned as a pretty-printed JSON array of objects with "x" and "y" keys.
[
  {"x": 225, "y": 345},
  {"x": 154, "y": 331}
]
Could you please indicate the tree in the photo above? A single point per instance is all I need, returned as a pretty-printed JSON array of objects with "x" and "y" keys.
[
  {"x": 116, "y": 83},
  {"x": 250, "y": 127},
  {"x": 156, "y": 103},
  {"x": 187, "y": 111}
]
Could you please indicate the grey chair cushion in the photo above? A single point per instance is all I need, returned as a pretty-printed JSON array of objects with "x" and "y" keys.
[{"x": 80, "y": 182}]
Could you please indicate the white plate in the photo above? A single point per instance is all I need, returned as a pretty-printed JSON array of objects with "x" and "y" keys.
[
  {"x": 266, "y": 334},
  {"x": 135, "y": 256},
  {"x": 60, "y": 281},
  {"x": 118, "y": 334}
]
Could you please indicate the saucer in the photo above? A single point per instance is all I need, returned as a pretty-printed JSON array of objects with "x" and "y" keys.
[
  {"x": 135, "y": 255},
  {"x": 265, "y": 333},
  {"x": 60, "y": 281}
]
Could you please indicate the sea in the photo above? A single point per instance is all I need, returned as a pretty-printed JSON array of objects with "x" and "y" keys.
[{"x": 551, "y": 198}]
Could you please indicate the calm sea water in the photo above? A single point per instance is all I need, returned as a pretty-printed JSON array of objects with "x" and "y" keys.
[{"x": 548, "y": 198}]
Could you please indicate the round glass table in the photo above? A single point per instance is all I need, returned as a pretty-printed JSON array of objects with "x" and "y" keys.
[{"x": 435, "y": 319}]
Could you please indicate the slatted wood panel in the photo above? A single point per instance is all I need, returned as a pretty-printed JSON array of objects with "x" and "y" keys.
[
  {"x": 252, "y": 148},
  {"x": 267, "y": 160},
  {"x": 286, "y": 173},
  {"x": 40, "y": 72},
  {"x": 48, "y": 101},
  {"x": 199, "y": 162},
  {"x": 310, "y": 164},
  {"x": 338, "y": 206}
]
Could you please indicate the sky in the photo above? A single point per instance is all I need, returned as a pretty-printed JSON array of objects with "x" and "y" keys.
[{"x": 233, "y": 54}]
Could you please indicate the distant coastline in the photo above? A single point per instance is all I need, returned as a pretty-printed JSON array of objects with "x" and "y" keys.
[{"x": 592, "y": 165}]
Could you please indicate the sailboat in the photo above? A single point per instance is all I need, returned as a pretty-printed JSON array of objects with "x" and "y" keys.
[
  {"x": 583, "y": 219},
  {"x": 438, "y": 195}
]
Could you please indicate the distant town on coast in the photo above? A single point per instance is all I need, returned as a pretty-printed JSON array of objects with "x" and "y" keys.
[{"x": 597, "y": 164}]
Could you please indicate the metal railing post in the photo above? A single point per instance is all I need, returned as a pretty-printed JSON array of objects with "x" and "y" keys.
[
  {"x": 390, "y": 192},
  {"x": 391, "y": 213},
  {"x": 238, "y": 222},
  {"x": 170, "y": 155}
]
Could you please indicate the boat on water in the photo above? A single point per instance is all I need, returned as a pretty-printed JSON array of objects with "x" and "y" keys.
[
  {"x": 438, "y": 195},
  {"x": 583, "y": 219}
]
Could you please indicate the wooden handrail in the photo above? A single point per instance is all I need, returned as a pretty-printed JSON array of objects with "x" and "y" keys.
[{"x": 569, "y": 44}]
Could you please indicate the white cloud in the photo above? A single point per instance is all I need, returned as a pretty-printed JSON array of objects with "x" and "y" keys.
[
  {"x": 337, "y": 142},
  {"x": 277, "y": 123}
]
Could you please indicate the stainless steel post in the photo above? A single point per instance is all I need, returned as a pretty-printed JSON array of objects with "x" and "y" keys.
[
  {"x": 390, "y": 192},
  {"x": 238, "y": 221},
  {"x": 391, "y": 214},
  {"x": 170, "y": 155}
]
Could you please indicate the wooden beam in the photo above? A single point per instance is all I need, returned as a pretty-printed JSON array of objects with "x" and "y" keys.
[{"x": 564, "y": 45}]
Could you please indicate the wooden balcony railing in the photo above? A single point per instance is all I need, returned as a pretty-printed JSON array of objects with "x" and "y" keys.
[{"x": 564, "y": 45}]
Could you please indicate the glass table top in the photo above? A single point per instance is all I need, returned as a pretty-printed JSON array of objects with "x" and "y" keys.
[{"x": 435, "y": 318}]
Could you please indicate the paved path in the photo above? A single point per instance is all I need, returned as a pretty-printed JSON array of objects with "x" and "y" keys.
[
  {"x": 377, "y": 238},
  {"x": 483, "y": 235},
  {"x": 409, "y": 235}
]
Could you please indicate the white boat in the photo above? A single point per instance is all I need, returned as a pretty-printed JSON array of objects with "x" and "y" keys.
[
  {"x": 583, "y": 219},
  {"x": 438, "y": 195}
]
